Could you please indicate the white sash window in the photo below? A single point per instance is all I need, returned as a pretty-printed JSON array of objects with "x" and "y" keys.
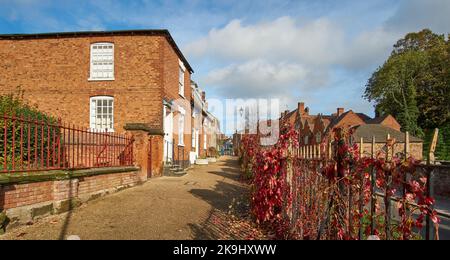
[
  {"x": 102, "y": 113},
  {"x": 102, "y": 61},
  {"x": 181, "y": 78}
]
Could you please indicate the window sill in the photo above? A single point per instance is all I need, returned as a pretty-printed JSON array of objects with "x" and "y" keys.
[
  {"x": 101, "y": 79},
  {"x": 181, "y": 145},
  {"x": 182, "y": 96},
  {"x": 93, "y": 130}
]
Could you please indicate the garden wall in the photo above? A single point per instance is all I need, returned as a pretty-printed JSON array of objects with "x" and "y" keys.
[{"x": 33, "y": 195}]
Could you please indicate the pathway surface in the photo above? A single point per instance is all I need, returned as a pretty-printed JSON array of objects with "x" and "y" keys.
[{"x": 207, "y": 203}]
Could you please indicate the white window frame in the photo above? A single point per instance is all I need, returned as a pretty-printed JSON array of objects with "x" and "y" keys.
[
  {"x": 194, "y": 145},
  {"x": 181, "y": 122},
  {"x": 181, "y": 75},
  {"x": 109, "y": 58},
  {"x": 93, "y": 114}
]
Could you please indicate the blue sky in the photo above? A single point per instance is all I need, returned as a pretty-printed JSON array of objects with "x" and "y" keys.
[{"x": 319, "y": 52}]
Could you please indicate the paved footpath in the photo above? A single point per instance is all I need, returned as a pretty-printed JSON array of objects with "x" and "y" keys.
[{"x": 207, "y": 203}]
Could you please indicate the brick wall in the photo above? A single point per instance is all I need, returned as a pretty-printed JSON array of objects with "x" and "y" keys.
[
  {"x": 415, "y": 149},
  {"x": 20, "y": 200},
  {"x": 53, "y": 75},
  {"x": 171, "y": 93},
  {"x": 350, "y": 119}
]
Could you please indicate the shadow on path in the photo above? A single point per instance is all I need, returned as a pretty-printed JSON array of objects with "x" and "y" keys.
[{"x": 229, "y": 216}]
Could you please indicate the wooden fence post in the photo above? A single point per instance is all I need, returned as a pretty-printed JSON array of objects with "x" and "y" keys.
[
  {"x": 407, "y": 148},
  {"x": 431, "y": 157},
  {"x": 361, "y": 147}
]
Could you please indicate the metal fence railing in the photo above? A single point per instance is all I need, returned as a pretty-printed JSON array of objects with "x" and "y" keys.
[{"x": 37, "y": 145}]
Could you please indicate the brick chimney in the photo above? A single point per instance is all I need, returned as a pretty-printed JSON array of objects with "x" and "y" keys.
[
  {"x": 301, "y": 107},
  {"x": 340, "y": 111}
]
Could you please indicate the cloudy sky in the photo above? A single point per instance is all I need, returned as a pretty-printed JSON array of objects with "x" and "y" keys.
[{"x": 321, "y": 52}]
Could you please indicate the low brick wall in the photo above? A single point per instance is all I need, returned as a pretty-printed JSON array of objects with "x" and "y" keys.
[{"x": 29, "y": 196}]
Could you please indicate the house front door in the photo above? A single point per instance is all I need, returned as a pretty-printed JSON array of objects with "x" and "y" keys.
[
  {"x": 168, "y": 134},
  {"x": 197, "y": 142}
]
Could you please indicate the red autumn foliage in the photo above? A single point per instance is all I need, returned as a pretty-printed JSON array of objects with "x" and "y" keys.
[{"x": 331, "y": 198}]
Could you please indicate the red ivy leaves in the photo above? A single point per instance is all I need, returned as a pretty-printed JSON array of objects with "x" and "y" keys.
[{"x": 272, "y": 197}]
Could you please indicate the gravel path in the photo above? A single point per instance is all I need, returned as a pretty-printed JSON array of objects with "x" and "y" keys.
[{"x": 207, "y": 203}]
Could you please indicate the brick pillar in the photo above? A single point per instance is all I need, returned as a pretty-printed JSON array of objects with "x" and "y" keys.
[
  {"x": 146, "y": 138},
  {"x": 140, "y": 149},
  {"x": 157, "y": 145}
]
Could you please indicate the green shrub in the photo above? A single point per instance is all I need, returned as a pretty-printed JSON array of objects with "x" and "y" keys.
[
  {"x": 442, "y": 152},
  {"x": 26, "y": 135}
]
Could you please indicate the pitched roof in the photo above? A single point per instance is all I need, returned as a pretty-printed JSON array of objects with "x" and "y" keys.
[
  {"x": 378, "y": 120},
  {"x": 290, "y": 117},
  {"x": 159, "y": 32},
  {"x": 380, "y": 133},
  {"x": 364, "y": 117}
]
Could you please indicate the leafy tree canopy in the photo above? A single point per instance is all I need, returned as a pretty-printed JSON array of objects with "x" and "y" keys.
[{"x": 414, "y": 83}]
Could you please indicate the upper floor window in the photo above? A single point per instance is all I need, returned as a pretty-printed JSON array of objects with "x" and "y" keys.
[
  {"x": 102, "y": 113},
  {"x": 102, "y": 61},
  {"x": 182, "y": 69},
  {"x": 306, "y": 140}
]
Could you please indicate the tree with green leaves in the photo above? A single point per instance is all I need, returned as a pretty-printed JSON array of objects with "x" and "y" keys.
[{"x": 414, "y": 83}]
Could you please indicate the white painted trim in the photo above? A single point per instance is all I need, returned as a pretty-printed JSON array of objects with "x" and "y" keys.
[
  {"x": 91, "y": 68},
  {"x": 101, "y": 79},
  {"x": 181, "y": 65},
  {"x": 93, "y": 114}
]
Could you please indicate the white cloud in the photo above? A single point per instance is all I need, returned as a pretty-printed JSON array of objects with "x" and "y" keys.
[
  {"x": 284, "y": 58},
  {"x": 282, "y": 39},
  {"x": 256, "y": 78},
  {"x": 288, "y": 58},
  {"x": 369, "y": 48},
  {"x": 414, "y": 15}
]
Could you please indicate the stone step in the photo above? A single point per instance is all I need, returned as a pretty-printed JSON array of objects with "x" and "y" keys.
[{"x": 179, "y": 173}]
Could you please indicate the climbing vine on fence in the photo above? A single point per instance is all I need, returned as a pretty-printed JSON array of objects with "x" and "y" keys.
[{"x": 340, "y": 196}]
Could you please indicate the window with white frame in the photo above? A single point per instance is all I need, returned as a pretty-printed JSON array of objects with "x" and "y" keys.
[
  {"x": 181, "y": 78},
  {"x": 102, "y": 61},
  {"x": 318, "y": 138},
  {"x": 102, "y": 113},
  {"x": 194, "y": 145},
  {"x": 181, "y": 127}
]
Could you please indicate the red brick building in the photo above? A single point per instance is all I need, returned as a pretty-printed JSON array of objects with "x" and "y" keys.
[
  {"x": 313, "y": 129},
  {"x": 106, "y": 81}
]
